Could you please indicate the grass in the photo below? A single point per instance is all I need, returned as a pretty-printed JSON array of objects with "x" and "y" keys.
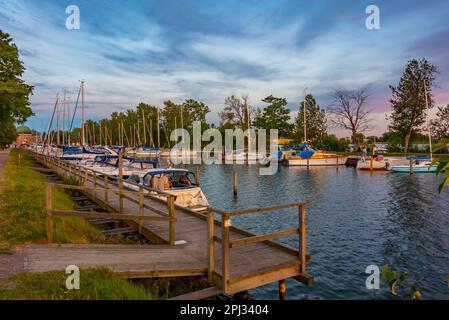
[
  {"x": 95, "y": 284},
  {"x": 22, "y": 208}
]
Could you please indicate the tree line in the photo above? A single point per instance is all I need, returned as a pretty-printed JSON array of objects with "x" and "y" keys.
[{"x": 151, "y": 125}]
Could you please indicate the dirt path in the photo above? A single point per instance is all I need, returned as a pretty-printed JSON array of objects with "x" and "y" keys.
[{"x": 4, "y": 154}]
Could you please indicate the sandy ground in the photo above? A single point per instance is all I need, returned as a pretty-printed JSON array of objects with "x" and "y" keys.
[{"x": 9, "y": 263}]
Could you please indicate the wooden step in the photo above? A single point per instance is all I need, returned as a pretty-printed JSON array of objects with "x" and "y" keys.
[
  {"x": 113, "y": 232},
  {"x": 101, "y": 221},
  {"x": 198, "y": 295}
]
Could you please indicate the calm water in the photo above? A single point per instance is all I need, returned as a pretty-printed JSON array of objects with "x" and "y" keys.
[{"x": 354, "y": 220}]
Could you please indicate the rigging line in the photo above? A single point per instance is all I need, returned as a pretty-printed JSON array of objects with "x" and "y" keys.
[{"x": 74, "y": 110}]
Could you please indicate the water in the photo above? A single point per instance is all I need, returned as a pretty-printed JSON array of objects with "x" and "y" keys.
[{"x": 354, "y": 220}]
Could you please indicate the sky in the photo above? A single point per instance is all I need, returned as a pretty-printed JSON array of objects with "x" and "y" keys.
[{"x": 152, "y": 51}]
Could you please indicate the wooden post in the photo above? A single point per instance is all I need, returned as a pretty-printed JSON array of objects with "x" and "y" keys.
[
  {"x": 48, "y": 217},
  {"x": 371, "y": 165},
  {"x": 197, "y": 175},
  {"x": 86, "y": 180},
  {"x": 235, "y": 182},
  {"x": 141, "y": 208},
  {"x": 411, "y": 167},
  {"x": 302, "y": 238},
  {"x": 105, "y": 186},
  {"x": 308, "y": 160},
  {"x": 282, "y": 289},
  {"x": 120, "y": 177},
  {"x": 95, "y": 185},
  {"x": 225, "y": 224},
  {"x": 171, "y": 214},
  {"x": 210, "y": 245}
]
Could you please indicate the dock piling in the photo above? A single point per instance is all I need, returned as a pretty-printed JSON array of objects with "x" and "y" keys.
[
  {"x": 235, "y": 182},
  {"x": 282, "y": 289}
]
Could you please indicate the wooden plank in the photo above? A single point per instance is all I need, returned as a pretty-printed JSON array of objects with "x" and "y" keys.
[
  {"x": 225, "y": 269},
  {"x": 94, "y": 214},
  {"x": 272, "y": 208},
  {"x": 269, "y": 236},
  {"x": 210, "y": 245},
  {"x": 262, "y": 278},
  {"x": 200, "y": 294}
]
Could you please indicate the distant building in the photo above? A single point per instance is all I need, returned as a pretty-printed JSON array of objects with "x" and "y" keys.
[{"x": 25, "y": 136}]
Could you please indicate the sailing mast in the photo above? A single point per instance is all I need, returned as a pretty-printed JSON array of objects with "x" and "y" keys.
[
  {"x": 305, "y": 117},
  {"x": 82, "y": 112},
  {"x": 144, "y": 132},
  {"x": 428, "y": 122},
  {"x": 68, "y": 120},
  {"x": 158, "y": 129}
]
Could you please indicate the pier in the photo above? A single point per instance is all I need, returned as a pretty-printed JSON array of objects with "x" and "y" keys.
[{"x": 188, "y": 243}]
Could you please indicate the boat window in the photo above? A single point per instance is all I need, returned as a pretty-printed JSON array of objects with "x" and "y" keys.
[{"x": 134, "y": 178}]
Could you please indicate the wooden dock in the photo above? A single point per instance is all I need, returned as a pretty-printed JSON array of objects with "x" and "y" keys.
[{"x": 232, "y": 259}]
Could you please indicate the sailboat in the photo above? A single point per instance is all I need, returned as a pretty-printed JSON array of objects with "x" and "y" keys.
[
  {"x": 420, "y": 164},
  {"x": 304, "y": 155}
]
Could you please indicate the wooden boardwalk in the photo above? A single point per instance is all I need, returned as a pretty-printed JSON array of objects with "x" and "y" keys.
[{"x": 209, "y": 246}]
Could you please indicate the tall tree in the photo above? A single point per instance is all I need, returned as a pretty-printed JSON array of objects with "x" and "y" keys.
[
  {"x": 409, "y": 100},
  {"x": 440, "y": 126},
  {"x": 316, "y": 120},
  {"x": 237, "y": 113},
  {"x": 349, "y": 111},
  {"x": 274, "y": 116},
  {"x": 14, "y": 92}
]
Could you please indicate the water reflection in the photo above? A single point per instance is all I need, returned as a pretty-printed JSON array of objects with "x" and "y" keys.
[{"x": 354, "y": 220}]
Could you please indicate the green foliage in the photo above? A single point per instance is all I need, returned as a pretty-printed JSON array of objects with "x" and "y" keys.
[
  {"x": 236, "y": 113},
  {"x": 274, "y": 116},
  {"x": 95, "y": 284},
  {"x": 332, "y": 143},
  {"x": 22, "y": 210},
  {"x": 443, "y": 166},
  {"x": 440, "y": 126},
  {"x": 14, "y": 92},
  {"x": 399, "y": 285},
  {"x": 408, "y": 99},
  {"x": 315, "y": 120}
]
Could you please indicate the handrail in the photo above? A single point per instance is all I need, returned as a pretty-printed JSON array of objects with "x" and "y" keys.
[
  {"x": 84, "y": 174},
  {"x": 258, "y": 210}
]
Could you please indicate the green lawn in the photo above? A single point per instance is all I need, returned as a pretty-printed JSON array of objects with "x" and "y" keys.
[
  {"x": 22, "y": 208},
  {"x": 95, "y": 284}
]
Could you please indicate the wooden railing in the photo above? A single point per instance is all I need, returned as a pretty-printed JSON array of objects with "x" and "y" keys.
[
  {"x": 94, "y": 183},
  {"x": 227, "y": 244}
]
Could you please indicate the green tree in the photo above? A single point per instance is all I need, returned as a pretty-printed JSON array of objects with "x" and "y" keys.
[
  {"x": 440, "y": 126},
  {"x": 14, "y": 92},
  {"x": 237, "y": 113},
  {"x": 408, "y": 99},
  {"x": 274, "y": 116},
  {"x": 316, "y": 120}
]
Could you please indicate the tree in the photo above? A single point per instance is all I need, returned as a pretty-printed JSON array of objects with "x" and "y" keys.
[
  {"x": 349, "y": 111},
  {"x": 316, "y": 120},
  {"x": 274, "y": 116},
  {"x": 409, "y": 100},
  {"x": 237, "y": 113},
  {"x": 440, "y": 126},
  {"x": 14, "y": 92}
]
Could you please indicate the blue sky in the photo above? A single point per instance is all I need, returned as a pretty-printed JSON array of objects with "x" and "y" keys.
[{"x": 151, "y": 51}]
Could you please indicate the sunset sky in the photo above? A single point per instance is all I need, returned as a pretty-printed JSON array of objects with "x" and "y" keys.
[{"x": 151, "y": 51}]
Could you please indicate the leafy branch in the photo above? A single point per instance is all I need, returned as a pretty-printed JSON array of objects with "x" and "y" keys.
[{"x": 398, "y": 283}]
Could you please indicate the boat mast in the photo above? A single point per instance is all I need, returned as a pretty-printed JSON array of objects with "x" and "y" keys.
[
  {"x": 58, "y": 113},
  {"x": 63, "y": 118},
  {"x": 158, "y": 129},
  {"x": 82, "y": 113},
  {"x": 428, "y": 122},
  {"x": 305, "y": 117},
  {"x": 68, "y": 120},
  {"x": 143, "y": 124}
]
